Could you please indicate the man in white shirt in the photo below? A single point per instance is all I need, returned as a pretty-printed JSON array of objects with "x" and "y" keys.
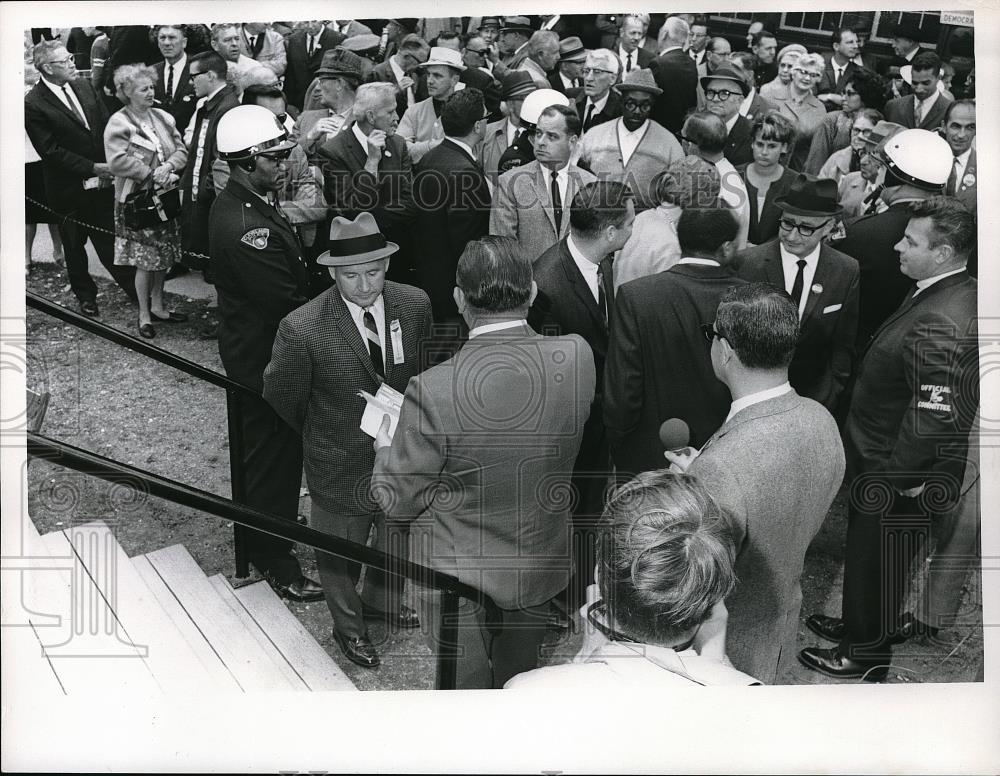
[
  {"x": 838, "y": 67},
  {"x": 698, "y": 44},
  {"x": 631, "y": 36},
  {"x": 173, "y": 89},
  {"x": 226, "y": 42},
  {"x": 264, "y": 45},
  {"x": 568, "y": 77},
  {"x": 339, "y": 76},
  {"x": 960, "y": 132},
  {"x": 597, "y": 103}
]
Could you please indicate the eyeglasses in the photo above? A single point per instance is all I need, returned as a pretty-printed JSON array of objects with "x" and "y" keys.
[
  {"x": 720, "y": 94},
  {"x": 480, "y": 52},
  {"x": 802, "y": 72},
  {"x": 277, "y": 156},
  {"x": 642, "y": 107},
  {"x": 61, "y": 61},
  {"x": 804, "y": 229},
  {"x": 858, "y": 130},
  {"x": 192, "y": 76},
  {"x": 596, "y": 70},
  {"x": 709, "y": 331}
]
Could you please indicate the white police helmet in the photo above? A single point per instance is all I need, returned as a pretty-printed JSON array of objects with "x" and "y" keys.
[
  {"x": 918, "y": 157},
  {"x": 248, "y": 130},
  {"x": 537, "y": 101}
]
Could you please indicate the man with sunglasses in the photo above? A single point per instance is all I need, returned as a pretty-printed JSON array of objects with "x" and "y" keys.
[
  {"x": 776, "y": 463},
  {"x": 632, "y": 149},
  {"x": 402, "y": 71},
  {"x": 823, "y": 283}
]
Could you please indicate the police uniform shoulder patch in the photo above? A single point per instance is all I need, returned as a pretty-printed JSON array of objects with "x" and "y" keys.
[{"x": 257, "y": 238}]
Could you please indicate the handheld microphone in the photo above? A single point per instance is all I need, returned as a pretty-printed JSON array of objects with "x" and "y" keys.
[{"x": 674, "y": 435}]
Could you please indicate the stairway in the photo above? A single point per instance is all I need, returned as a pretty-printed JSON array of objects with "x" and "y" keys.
[{"x": 96, "y": 621}]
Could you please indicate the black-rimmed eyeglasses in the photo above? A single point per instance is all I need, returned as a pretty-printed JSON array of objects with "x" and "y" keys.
[{"x": 806, "y": 230}]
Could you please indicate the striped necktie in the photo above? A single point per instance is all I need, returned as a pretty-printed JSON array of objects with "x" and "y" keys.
[{"x": 374, "y": 344}]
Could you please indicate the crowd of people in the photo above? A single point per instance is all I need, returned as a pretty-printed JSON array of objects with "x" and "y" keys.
[{"x": 606, "y": 260}]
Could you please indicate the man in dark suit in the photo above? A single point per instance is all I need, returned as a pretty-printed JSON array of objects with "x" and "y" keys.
[
  {"x": 676, "y": 74},
  {"x": 658, "y": 362},
  {"x": 261, "y": 277},
  {"x": 764, "y": 46},
  {"x": 367, "y": 168},
  {"x": 576, "y": 296},
  {"x": 402, "y": 71},
  {"x": 207, "y": 72},
  {"x": 823, "y": 283},
  {"x": 65, "y": 120},
  {"x": 960, "y": 132},
  {"x": 476, "y": 470},
  {"x": 725, "y": 91},
  {"x": 453, "y": 200},
  {"x": 775, "y": 464},
  {"x": 839, "y": 68},
  {"x": 915, "y": 398},
  {"x": 917, "y": 165},
  {"x": 304, "y": 50},
  {"x": 925, "y": 109},
  {"x": 173, "y": 90},
  {"x": 631, "y": 36},
  {"x": 362, "y": 333},
  {"x": 568, "y": 75},
  {"x": 597, "y": 102}
]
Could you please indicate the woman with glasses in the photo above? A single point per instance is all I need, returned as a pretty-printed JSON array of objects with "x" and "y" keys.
[
  {"x": 787, "y": 58},
  {"x": 803, "y": 106},
  {"x": 849, "y": 159},
  {"x": 766, "y": 177},
  {"x": 864, "y": 89},
  {"x": 144, "y": 150}
]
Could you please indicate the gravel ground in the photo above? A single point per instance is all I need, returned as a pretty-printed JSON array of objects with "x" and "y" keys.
[{"x": 124, "y": 406}]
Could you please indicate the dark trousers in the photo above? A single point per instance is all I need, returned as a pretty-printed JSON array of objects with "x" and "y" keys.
[
  {"x": 272, "y": 468},
  {"x": 881, "y": 545},
  {"x": 194, "y": 231},
  {"x": 93, "y": 220},
  {"x": 339, "y": 576},
  {"x": 488, "y": 657}
]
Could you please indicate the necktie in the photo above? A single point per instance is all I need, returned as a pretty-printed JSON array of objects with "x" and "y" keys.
[
  {"x": 871, "y": 201},
  {"x": 918, "y": 113},
  {"x": 170, "y": 82},
  {"x": 589, "y": 115},
  {"x": 556, "y": 201},
  {"x": 311, "y": 46},
  {"x": 797, "y": 285},
  {"x": 605, "y": 292},
  {"x": 72, "y": 105},
  {"x": 374, "y": 345},
  {"x": 952, "y": 186},
  {"x": 838, "y": 72},
  {"x": 253, "y": 42},
  {"x": 628, "y": 62}
]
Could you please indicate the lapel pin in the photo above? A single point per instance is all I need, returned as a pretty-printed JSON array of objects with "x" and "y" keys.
[
  {"x": 969, "y": 179},
  {"x": 817, "y": 288}
]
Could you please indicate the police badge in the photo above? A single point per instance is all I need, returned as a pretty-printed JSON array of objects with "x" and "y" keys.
[{"x": 257, "y": 238}]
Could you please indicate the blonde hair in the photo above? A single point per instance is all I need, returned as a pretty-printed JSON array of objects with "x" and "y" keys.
[{"x": 127, "y": 76}]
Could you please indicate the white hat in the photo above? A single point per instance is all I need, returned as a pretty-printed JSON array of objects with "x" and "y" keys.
[
  {"x": 444, "y": 56},
  {"x": 918, "y": 157},
  {"x": 539, "y": 100}
]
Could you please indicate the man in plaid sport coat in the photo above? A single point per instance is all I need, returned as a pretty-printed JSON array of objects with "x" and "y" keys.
[{"x": 324, "y": 353}]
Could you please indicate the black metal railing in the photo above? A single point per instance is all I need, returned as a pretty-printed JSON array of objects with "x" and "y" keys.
[{"x": 244, "y": 518}]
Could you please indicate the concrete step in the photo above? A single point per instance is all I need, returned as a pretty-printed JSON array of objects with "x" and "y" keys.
[
  {"x": 250, "y": 665},
  {"x": 309, "y": 660}
]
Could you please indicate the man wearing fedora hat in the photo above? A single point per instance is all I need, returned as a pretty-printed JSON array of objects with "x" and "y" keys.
[
  {"x": 568, "y": 75},
  {"x": 501, "y": 135},
  {"x": 632, "y": 148},
  {"x": 822, "y": 281},
  {"x": 725, "y": 90},
  {"x": 513, "y": 43},
  {"x": 420, "y": 126},
  {"x": 339, "y": 77},
  {"x": 363, "y": 332}
]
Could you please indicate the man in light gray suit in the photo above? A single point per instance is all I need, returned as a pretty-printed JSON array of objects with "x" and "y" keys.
[
  {"x": 776, "y": 463},
  {"x": 531, "y": 202}
]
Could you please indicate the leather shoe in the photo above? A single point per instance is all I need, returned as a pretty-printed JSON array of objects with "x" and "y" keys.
[
  {"x": 829, "y": 628},
  {"x": 147, "y": 331},
  {"x": 170, "y": 317},
  {"x": 832, "y": 663},
  {"x": 910, "y": 627},
  {"x": 89, "y": 308},
  {"x": 404, "y": 618},
  {"x": 302, "y": 590},
  {"x": 358, "y": 649}
]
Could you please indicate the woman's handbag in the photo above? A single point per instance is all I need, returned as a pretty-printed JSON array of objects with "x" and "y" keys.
[{"x": 149, "y": 207}]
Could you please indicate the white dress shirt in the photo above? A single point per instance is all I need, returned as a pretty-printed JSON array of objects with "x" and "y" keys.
[
  {"x": 587, "y": 268},
  {"x": 920, "y": 108},
  {"x": 178, "y": 69},
  {"x": 757, "y": 398},
  {"x": 789, "y": 266},
  {"x": 490, "y": 327},
  {"x": 568, "y": 83},
  {"x": 623, "y": 56},
  {"x": 73, "y": 99},
  {"x": 702, "y": 262},
  {"x": 358, "y": 316},
  {"x": 927, "y": 282},
  {"x": 562, "y": 181},
  {"x": 838, "y": 71},
  {"x": 313, "y": 42},
  {"x": 511, "y": 132},
  {"x": 629, "y": 141},
  {"x": 960, "y": 163},
  {"x": 361, "y": 136},
  {"x": 598, "y": 106}
]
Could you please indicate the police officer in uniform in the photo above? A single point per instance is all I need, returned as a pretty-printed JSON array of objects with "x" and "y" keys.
[
  {"x": 917, "y": 165},
  {"x": 522, "y": 151},
  {"x": 261, "y": 276}
]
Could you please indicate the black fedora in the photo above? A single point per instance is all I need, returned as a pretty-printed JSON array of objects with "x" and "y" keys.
[{"x": 810, "y": 197}]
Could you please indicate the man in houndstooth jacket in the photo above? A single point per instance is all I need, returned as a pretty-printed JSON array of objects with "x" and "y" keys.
[{"x": 356, "y": 335}]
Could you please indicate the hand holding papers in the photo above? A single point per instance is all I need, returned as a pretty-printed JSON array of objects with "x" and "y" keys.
[{"x": 387, "y": 401}]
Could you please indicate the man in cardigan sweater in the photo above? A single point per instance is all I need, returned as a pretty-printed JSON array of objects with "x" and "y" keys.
[{"x": 632, "y": 149}]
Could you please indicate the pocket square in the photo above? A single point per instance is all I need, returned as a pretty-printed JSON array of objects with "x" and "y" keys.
[{"x": 832, "y": 308}]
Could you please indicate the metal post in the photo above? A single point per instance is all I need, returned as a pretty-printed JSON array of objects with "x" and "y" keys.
[
  {"x": 234, "y": 416},
  {"x": 447, "y": 663}
]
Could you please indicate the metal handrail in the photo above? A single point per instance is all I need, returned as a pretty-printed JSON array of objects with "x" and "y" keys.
[{"x": 62, "y": 454}]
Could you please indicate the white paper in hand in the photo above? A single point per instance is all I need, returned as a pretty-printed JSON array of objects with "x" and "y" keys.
[{"x": 387, "y": 401}]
